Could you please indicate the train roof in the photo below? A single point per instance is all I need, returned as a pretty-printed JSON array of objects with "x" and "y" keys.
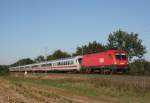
[
  {"x": 108, "y": 51},
  {"x": 51, "y": 61}
]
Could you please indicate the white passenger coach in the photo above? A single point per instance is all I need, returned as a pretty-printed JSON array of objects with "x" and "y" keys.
[{"x": 66, "y": 64}]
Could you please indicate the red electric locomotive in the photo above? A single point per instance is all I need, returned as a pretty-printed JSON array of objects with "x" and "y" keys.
[{"x": 107, "y": 62}]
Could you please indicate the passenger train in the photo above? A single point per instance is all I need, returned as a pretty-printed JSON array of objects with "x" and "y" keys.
[{"x": 104, "y": 62}]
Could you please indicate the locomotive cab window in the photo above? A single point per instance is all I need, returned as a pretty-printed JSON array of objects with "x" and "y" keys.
[
  {"x": 123, "y": 56},
  {"x": 118, "y": 56}
]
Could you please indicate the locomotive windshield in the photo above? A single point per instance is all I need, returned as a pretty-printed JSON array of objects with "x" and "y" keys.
[
  {"x": 118, "y": 56},
  {"x": 121, "y": 56}
]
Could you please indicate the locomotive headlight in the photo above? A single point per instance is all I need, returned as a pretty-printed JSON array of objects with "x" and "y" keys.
[
  {"x": 115, "y": 63},
  {"x": 121, "y": 63}
]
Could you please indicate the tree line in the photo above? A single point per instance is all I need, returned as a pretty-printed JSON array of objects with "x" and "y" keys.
[
  {"x": 4, "y": 70},
  {"x": 116, "y": 40}
]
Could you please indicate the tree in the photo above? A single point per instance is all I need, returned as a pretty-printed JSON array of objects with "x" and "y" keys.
[
  {"x": 126, "y": 41},
  {"x": 4, "y": 70},
  {"x": 57, "y": 55},
  {"x": 39, "y": 59},
  {"x": 140, "y": 67},
  {"x": 24, "y": 61},
  {"x": 92, "y": 47}
]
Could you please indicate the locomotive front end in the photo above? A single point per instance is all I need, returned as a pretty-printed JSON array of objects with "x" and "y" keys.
[{"x": 121, "y": 60}]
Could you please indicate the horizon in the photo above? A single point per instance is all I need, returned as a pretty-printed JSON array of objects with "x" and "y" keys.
[{"x": 39, "y": 27}]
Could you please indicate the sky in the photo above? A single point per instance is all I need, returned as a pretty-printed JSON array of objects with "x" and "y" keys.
[{"x": 29, "y": 28}]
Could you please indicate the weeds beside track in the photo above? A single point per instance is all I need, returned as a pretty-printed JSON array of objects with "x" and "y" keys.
[{"x": 82, "y": 88}]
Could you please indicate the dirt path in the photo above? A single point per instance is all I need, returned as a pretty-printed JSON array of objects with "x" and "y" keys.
[
  {"x": 8, "y": 94},
  {"x": 33, "y": 93},
  {"x": 78, "y": 98}
]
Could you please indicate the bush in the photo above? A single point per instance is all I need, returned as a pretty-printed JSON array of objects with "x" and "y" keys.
[
  {"x": 140, "y": 67},
  {"x": 4, "y": 70}
]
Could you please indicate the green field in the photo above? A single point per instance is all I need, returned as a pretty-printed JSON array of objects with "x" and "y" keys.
[{"x": 74, "y": 88}]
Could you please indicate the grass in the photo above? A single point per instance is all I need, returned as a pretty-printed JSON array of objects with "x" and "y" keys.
[{"x": 122, "y": 89}]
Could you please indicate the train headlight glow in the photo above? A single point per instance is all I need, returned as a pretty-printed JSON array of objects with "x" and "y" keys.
[{"x": 121, "y": 63}]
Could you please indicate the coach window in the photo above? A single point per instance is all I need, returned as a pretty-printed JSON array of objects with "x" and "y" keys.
[
  {"x": 27, "y": 67},
  {"x": 34, "y": 66},
  {"x": 58, "y": 63},
  {"x": 49, "y": 64},
  {"x": 52, "y": 64},
  {"x": 71, "y": 62},
  {"x": 16, "y": 68},
  {"x": 43, "y": 65},
  {"x": 68, "y": 62}
]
